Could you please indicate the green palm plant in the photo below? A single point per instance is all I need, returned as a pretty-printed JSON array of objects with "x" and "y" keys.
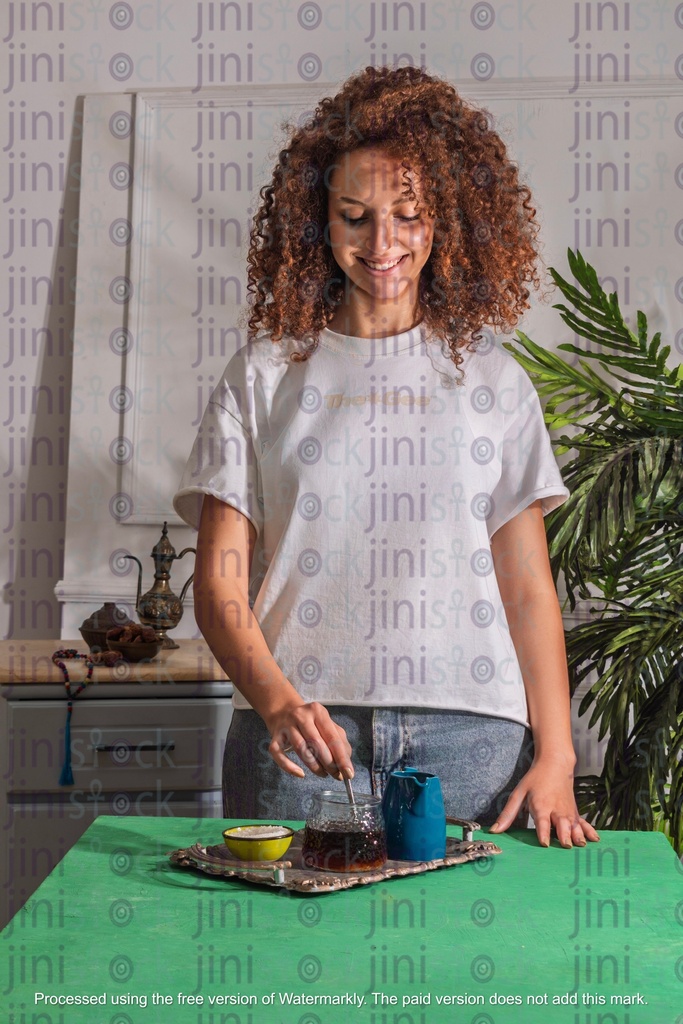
[{"x": 616, "y": 409}]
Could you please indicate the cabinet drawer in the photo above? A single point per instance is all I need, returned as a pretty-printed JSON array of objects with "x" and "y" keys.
[{"x": 118, "y": 745}]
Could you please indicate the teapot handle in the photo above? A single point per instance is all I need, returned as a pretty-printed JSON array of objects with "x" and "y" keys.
[
  {"x": 185, "y": 551},
  {"x": 181, "y": 596},
  {"x": 133, "y": 558},
  {"x": 188, "y": 581}
]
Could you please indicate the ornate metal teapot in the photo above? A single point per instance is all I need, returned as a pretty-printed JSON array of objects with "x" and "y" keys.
[{"x": 160, "y": 608}]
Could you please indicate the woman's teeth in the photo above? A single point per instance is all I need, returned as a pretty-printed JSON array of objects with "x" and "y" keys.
[{"x": 381, "y": 266}]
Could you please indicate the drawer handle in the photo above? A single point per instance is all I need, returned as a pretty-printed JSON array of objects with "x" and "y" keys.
[{"x": 103, "y": 748}]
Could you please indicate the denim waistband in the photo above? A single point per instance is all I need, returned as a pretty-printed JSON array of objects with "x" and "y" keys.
[{"x": 478, "y": 758}]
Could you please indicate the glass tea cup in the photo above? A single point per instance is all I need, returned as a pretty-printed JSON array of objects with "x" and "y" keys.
[{"x": 341, "y": 836}]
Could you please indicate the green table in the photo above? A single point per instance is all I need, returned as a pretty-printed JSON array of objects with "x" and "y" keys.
[{"x": 600, "y": 929}]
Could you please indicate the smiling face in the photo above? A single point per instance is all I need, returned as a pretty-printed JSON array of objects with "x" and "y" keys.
[{"x": 380, "y": 239}]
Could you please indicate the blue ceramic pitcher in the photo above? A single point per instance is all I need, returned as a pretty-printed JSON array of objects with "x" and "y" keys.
[{"x": 414, "y": 816}]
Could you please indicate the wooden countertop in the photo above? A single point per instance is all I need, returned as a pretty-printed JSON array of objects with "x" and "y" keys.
[{"x": 25, "y": 662}]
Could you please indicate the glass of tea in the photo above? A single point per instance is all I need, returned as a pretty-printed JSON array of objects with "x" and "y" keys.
[{"x": 340, "y": 836}]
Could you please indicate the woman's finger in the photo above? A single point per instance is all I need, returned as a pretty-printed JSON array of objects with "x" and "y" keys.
[
  {"x": 578, "y": 837},
  {"x": 339, "y": 749},
  {"x": 318, "y": 741},
  {"x": 542, "y": 824},
  {"x": 588, "y": 831},
  {"x": 327, "y": 741},
  {"x": 280, "y": 745},
  {"x": 509, "y": 813},
  {"x": 313, "y": 752},
  {"x": 282, "y": 761},
  {"x": 315, "y": 756},
  {"x": 563, "y": 830}
]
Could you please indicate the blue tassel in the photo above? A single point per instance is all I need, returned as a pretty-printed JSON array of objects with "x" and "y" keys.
[{"x": 67, "y": 776}]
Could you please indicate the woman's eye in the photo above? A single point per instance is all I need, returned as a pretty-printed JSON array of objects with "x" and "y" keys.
[{"x": 359, "y": 220}]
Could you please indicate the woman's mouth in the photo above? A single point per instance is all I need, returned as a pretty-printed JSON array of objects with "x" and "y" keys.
[{"x": 383, "y": 267}]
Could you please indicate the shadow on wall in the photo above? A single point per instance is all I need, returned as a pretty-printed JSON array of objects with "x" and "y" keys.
[{"x": 37, "y": 508}]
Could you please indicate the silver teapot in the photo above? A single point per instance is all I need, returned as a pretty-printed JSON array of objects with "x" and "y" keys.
[{"x": 160, "y": 608}]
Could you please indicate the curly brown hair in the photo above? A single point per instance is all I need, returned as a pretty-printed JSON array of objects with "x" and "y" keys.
[{"x": 484, "y": 252}]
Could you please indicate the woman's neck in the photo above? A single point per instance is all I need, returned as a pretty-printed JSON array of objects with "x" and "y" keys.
[{"x": 356, "y": 324}]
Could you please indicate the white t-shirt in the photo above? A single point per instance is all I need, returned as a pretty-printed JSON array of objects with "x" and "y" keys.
[{"x": 375, "y": 484}]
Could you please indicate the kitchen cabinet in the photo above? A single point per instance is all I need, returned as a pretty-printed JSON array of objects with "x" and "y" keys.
[{"x": 146, "y": 740}]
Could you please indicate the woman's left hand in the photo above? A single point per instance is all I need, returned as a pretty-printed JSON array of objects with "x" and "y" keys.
[
  {"x": 547, "y": 793},
  {"x": 520, "y": 558}
]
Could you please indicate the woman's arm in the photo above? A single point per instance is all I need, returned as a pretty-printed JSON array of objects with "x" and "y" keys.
[
  {"x": 520, "y": 556},
  {"x": 221, "y": 597}
]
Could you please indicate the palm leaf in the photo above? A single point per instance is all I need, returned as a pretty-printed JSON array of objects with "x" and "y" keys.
[{"x": 617, "y": 411}]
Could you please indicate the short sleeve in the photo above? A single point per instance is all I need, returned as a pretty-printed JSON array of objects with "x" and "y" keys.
[
  {"x": 529, "y": 470},
  {"x": 223, "y": 461}
]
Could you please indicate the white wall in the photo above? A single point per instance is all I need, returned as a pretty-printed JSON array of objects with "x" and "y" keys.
[{"x": 576, "y": 60}]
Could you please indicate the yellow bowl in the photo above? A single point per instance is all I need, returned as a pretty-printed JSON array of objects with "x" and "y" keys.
[{"x": 257, "y": 842}]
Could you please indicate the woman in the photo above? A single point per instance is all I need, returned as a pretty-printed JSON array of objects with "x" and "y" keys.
[{"x": 377, "y": 481}]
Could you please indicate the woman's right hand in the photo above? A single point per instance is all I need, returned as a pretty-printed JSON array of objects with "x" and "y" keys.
[
  {"x": 228, "y": 623},
  {"x": 309, "y": 731}
]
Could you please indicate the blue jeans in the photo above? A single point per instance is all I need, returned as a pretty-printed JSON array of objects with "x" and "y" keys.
[{"x": 479, "y": 760}]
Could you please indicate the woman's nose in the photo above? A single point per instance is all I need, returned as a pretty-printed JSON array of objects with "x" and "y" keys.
[{"x": 381, "y": 234}]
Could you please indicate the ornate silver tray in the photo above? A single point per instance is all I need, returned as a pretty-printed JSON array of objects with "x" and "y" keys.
[{"x": 290, "y": 873}]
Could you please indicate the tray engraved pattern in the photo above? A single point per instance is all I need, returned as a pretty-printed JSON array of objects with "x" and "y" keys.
[{"x": 290, "y": 873}]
